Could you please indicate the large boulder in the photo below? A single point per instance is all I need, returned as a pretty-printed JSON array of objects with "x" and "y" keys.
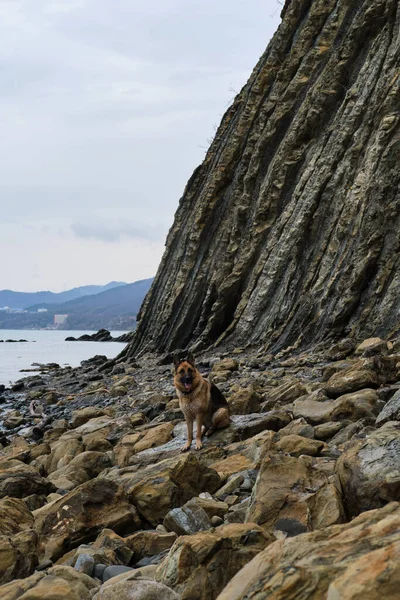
[
  {"x": 291, "y": 495},
  {"x": 58, "y": 583},
  {"x": 19, "y": 480},
  {"x": 391, "y": 410},
  {"x": 369, "y": 470},
  {"x": 199, "y": 566},
  {"x": 356, "y": 377},
  {"x": 354, "y": 406},
  {"x": 135, "y": 590},
  {"x": 80, "y": 515},
  {"x": 14, "y": 516},
  {"x": 155, "y": 489},
  {"x": 82, "y": 468},
  {"x": 18, "y": 555},
  {"x": 353, "y": 561}
]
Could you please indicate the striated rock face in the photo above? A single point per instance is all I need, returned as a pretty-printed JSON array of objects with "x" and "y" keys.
[
  {"x": 364, "y": 553},
  {"x": 288, "y": 231}
]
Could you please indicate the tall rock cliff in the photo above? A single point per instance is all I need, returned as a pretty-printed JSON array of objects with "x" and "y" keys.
[{"x": 289, "y": 230}]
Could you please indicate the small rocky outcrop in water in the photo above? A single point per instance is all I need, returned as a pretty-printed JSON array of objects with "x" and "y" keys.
[{"x": 103, "y": 335}]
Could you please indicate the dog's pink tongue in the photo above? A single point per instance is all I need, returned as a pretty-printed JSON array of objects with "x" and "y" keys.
[{"x": 187, "y": 386}]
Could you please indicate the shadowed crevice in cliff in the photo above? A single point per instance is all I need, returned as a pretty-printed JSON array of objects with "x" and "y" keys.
[{"x": 288, "y": 231}]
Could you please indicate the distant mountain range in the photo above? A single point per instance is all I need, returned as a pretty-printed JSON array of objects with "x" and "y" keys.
[
  {"x": 25, "y": 299},
  {"x": 113, "y": 308}
]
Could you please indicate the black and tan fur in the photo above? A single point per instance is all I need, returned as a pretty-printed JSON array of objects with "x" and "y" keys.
[{"x": 199, "y": 400}]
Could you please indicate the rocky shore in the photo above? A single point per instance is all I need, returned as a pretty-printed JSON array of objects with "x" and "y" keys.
[{"x": 298, "y": 498}]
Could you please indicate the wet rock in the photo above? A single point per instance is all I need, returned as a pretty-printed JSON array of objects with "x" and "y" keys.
[
  {"x": 369, "y": 470},
  {"x": 199, "y": 566},
  {"x": 355, "y": 560},
  {"x": 82, "y": 514}
]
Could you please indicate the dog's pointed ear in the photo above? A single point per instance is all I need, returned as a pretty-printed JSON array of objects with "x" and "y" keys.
[
  {"x": 190, "y": 358},
  {"x": 177, "y": 360}
]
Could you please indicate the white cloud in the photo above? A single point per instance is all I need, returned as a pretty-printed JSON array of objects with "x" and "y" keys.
[{"x": 105, "y": 110}]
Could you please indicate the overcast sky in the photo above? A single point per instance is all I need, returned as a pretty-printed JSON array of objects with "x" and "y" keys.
[{"x": 106, "y": 107}]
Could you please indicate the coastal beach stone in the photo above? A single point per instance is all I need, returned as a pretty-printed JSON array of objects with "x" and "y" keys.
[
  {"x": 188, "y": 519},
  {"x": 369, "y": 470},
  {"x": 135, "y": 590},
  {"x": 244, "y": 401},
  {"x": 199, "y": 566},
  {"x": 354, "y": 406},
  {"x": 350, "y": 561},
  {"x": 297, "y": 445},
  {"x": 356, "y": 378},
  {"x": 18, "y": 480},
  {"x": 57, "y": 583},
  {"x": 81, "y": 515},
  {"x": 283, "y": 496},
  {"x": 391, "y": 410}
]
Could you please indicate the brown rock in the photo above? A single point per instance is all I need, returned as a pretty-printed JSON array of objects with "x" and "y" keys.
[
  {"x": 298, "y": 427},
  {"x": 58, "y": 583},
  {"x": 369, "y": 470},
  {"x": 135, "y": 590},
  {"x": 354, "y": 406},
  {"x": 82, "y": 514},
  {"x": 18, "y": 555},
  {"x": 354, "y": 379},
  {"x": 156, "y": 436},
  {"x": 157, "y": 488},
  {"x": 199, "y": 566},
  {"x": 297, "y": 445},
  {"x": 282, "y": 497},
  {"x": 149, "y": 543},
  {"x": 14, "y": 516},
  {"x": 372, "y": 346},
  {"x": 351, "y": 561},
  {"x": 18, "y": 480},
  {"x": 82, "y": 468},
  {"x": 64, "y": 450},
  {"x": 226, "y": 364},
  {"x": 83, "y": 415},
  {"x": 244, "y": 401},
  {"x": 285, "y": 393}
]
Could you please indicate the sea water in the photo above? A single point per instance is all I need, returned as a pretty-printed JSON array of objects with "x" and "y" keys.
[{"x": 45, "y": 346}]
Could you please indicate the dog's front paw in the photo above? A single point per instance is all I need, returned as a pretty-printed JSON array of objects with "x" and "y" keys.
[
  {"x": 199, "y": 445},
  {"x": 186, "y": 447}
]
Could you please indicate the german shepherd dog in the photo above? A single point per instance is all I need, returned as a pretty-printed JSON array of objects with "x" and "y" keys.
[{"x": 199, "y": 400}]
